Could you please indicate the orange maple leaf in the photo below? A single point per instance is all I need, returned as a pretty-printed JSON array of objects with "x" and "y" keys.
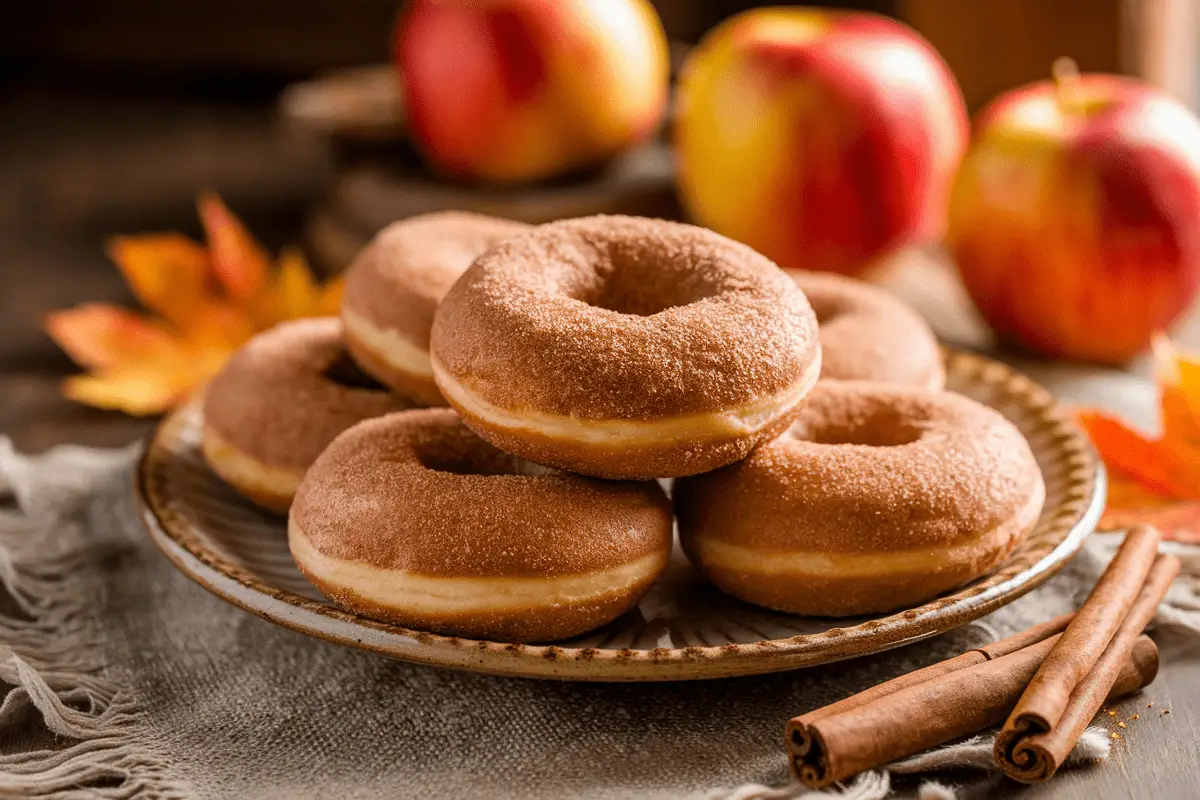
[
  {"x": 203, "y": 302},
  {"x": 1155, "y": 480}
]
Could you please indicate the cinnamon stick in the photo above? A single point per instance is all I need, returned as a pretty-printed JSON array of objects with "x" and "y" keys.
[
  {"x": 1093, "y": 627},
  {"x": 1057, "y": 705},
  {"x": 970, "y": 658},
  {"x": 825, "y": 748}
]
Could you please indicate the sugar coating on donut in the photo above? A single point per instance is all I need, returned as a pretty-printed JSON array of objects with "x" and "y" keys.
[
  {"x": 413, "y": 519},
  {"x": 877, "y": 497},
  {"x": 266, "y": 486},
  {"x": 419, "y": 493},
  {"x": 289, "y": 392},
  {"x": 398, "y": 280},
  {"x": 621, "y": 318},
  {"x": 874, "y": 467},
  {"x": 869, "y": 334}
]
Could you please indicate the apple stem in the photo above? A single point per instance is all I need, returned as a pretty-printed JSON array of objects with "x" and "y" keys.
[{"x": 1066, "y": 83}]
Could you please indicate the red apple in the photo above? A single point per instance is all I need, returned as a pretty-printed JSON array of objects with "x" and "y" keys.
[
  {"x": 825, "y": 140},
  {"x": 512, "y": 90},
  {"x": 1075, "y": 219}
]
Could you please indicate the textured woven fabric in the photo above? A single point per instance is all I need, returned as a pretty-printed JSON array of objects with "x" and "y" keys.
[{"x": 158, "y": 689}]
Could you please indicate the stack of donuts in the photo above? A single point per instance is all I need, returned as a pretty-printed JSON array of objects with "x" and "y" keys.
[{"x": 818, "y": 467}]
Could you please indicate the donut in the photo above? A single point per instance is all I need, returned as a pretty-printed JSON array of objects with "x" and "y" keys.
[
  {"x": 278, "y": 402},
  {"x": 395, "y": 284},
  {"x": 413, "y": 519},
  {"x": 625, "y": 348},
  {"x": 868, "y": 334},
  {"x": 877, "y": 498}
]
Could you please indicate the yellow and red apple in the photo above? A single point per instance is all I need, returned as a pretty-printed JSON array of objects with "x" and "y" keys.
[
  {"x": 1075, "y": 219},
  {"x": 825, "y": 140},
  {"x": 516, "y": 90}
]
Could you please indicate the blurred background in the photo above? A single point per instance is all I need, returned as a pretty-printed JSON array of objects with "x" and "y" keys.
[{"x": 114, "y": 114}]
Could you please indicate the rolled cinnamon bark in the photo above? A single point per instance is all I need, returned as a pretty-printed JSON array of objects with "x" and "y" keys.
[
  {"x": 1019, "y": 641},
  {"x": 1090, "y": 632},
  {"x": 970, "y": 658},
  {"x": 1051, "y": 715},
  {"x": 826, "y": 748}
]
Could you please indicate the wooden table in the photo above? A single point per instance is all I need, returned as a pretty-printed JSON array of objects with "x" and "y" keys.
[{"x": 51, "y": 256}]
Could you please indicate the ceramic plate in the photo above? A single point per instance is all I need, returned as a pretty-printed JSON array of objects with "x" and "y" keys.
[{"x": 684, "y": 629}]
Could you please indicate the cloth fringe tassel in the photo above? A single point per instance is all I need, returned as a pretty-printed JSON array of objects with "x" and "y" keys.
[
  {"x": 100, "y": 748},
  {"x": 974, "y": 753}
]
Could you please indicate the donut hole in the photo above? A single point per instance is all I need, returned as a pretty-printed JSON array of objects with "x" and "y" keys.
[
  {"x": 629, "y": 280},
  {"x": 464, "y": 465},
  {"x": 344, "y": 372},
  {"x": 881, "y": 436},
  {"x": 829, "y": 308},
  {"x": 630, "y": 304},
  {"x": 878, "y": 427},
  {"x": 473, "y": 458}
]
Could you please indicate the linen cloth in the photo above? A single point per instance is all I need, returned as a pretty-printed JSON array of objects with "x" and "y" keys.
[{"x": 132, "y": 681}]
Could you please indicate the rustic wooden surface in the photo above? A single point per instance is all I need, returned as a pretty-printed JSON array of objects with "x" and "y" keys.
[{"x": 50, "y": 258}]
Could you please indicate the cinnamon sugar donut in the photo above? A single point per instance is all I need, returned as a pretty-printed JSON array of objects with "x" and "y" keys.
[
  {"x": 878, "y": 497},
  {"x": 278, "y": 402},
  {"x": 869, "y": 334},
  {"x": 624, "y": 347},
  {"x": 415, "y": 520},
  {"x": 395, "y": 284}
]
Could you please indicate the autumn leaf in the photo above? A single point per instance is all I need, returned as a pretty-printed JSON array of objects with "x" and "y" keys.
[
  {"x": 166, "y": 273},
  {"x": 1155, "y": 480},
  {"x": 236, "y": 258},
  {"x": 292, "y": 292},
  {"x": 201, "y": 301}
]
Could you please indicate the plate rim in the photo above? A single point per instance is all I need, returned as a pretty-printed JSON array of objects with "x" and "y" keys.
[{"x": 1003, "y": 586}]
